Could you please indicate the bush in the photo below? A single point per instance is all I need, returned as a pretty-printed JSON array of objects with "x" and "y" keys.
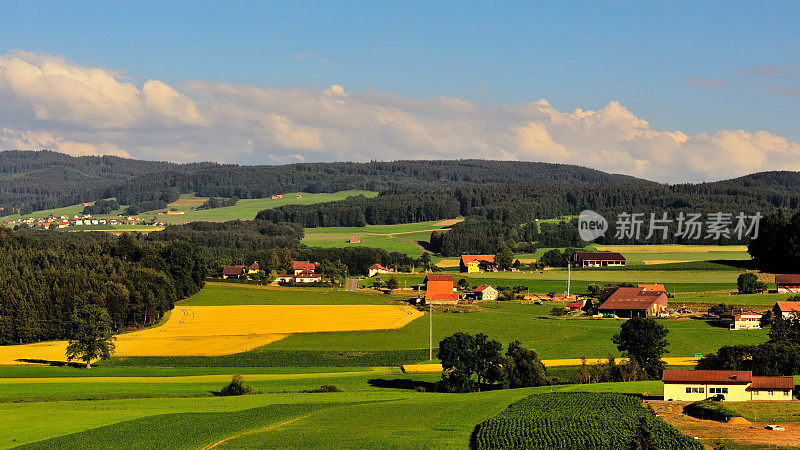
[
  {"x": 709, "y": 410},
  {"x": 323, "y": 389},
  {"x": 237, "y": 387},
  {"x": 558, "y": 311}
]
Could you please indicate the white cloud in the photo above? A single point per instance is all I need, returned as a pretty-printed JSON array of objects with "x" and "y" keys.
[{"x": 47, "y": 102}]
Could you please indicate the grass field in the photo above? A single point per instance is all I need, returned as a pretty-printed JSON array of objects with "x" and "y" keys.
[
  {"x": 392, "y": 238},
  {"x": 244, "y": 209},
  {"x": 361, "y": 416},
  {"x": 249, "y": 207},
  {"x": 169, "y": 402}
]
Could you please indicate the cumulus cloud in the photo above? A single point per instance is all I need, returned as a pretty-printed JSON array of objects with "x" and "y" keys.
[{"x": 47, "y": 102}]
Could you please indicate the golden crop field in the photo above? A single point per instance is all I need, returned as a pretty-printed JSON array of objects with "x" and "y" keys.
[
  {"x": 222, "y": 330},
  {"x": 436, "y": 368}
]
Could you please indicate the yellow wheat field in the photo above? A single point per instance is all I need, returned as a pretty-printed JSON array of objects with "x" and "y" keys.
[{"x": 222, "y": 330}]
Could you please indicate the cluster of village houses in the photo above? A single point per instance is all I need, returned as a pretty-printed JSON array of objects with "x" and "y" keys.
[{"x": 78, "y": 220}]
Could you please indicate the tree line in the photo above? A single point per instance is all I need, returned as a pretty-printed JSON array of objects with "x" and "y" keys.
[{"x": 45, "y": 277}]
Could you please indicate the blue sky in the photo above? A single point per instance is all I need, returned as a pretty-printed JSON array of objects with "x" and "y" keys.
[{"x": 677, "y": 65}]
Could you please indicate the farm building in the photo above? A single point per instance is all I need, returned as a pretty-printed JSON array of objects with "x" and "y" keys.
[
  {"x": 598, "y": 259},
  {"x": 788, "y": 283},
  {"x": 733, "y": 385},
  {"x": 354, "y": 239},
  {"x": 477, "y": 263},
  {"x": 299, "y": 267},
  {"x": 485, "y": 292},
  {"x": 255, "y": 267},
  {"x": 377, "y": 269},
  {"x": 575, "y": 306},
  {"x": 743, "y": 320},
  {"x": 633, "y": 302},
  {"x": 233, "y": 271},
  {"x": 786, "y": 310},
  {"x": 653, "y": 287},
  {"x": 439, "y": 289},
  {"x": 302, "y": 277}
]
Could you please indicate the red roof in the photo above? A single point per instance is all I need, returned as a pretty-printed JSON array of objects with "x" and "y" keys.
[
  {"x": 772, "y": 383},
  {"x": 378, "y": 267},
  {"x": 575, "y": 304},
  {"x": 788, "y": 306},
  {"x": 481, "y": 288},
  {"x": 787, "y": 279},
  {"x": 233, "y": 270},
  {"x": 439, "y": 278},
  {"x": 708, "y": 376},
  {"x": 600, "y": 256},
  {"x": 255, "y": 266},
  {"x": 634, "y": 298},
  {"x": 304, "y": 266},
  {"x": 480, "y": 258}
]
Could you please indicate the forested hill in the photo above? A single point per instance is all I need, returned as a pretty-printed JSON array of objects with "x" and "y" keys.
[{"x": 44, "y": 179}]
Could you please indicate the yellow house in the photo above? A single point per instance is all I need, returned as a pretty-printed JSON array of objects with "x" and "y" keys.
[{"x": 732, "y": 385}]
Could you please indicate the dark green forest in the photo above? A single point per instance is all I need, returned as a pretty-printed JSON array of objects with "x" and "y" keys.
[{"x": 45, "y": 276}]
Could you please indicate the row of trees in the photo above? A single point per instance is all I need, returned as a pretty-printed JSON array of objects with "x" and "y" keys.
[
  {"x": 471, "y": 362},
  {"x": 46, "y": 276}
]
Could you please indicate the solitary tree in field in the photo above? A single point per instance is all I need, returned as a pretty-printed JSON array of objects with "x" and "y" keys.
[
  {"x": 392, "y": 284},
  {"x": 748, "y": 283},
  {"x": 644, "y": 340},
  {"x": 92, "y": 337}
]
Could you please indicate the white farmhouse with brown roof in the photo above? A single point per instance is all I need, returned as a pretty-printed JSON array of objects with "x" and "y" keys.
[
  {"x": 732, "y": 385},
  {"x": 788, "y": 283},
  {"x": 598, "y": 259},
  {"x": 786, "y": 310}
]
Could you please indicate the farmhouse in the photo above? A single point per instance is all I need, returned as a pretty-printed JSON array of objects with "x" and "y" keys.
[
  {"x": 299, "y": 267},
  {"x": 255, "y": 267},
  {"x": 786, "y": 310},
  {"x": 633, "y": 302},
  {"x": 598, "y": 259},
  {"x": 485, "y": 292},
  {"x": 376, "y": 269},
  {"x": 477, "y": 263},
  {"x": 232, "y": 271},
  {"x": 788, "y": 283},
  {"x": 732, "y": 385},
  {"x": 743, "y": 320},
  {"x": 355, "y": 239},
  {"x": 439, "y": 290}
]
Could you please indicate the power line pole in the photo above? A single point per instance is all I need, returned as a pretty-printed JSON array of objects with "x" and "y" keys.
[
  {"x": 569, "y": 276},
  {"x": 430, "y": 331}
]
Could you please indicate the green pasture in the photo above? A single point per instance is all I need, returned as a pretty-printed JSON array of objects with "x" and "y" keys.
[
  {"x": 363, "y": 416},
  {"x": 759, "y": 302},
  {"x": 218, "y": 294},
  {"x": 402, "y": 238},
  {"x": 248, "y": 208}
]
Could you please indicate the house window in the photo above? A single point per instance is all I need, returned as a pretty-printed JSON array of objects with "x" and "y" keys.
[
  {"x": 785, "y": 393},
  {"x": 718, "y": 390},
  {"x": 755, "y": 393},
  {"x": 688, "y": 390},
  {"x": 770, "y": 392},
  {"x": 697, "y": 390}
]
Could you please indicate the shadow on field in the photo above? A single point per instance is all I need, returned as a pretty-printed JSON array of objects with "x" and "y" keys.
[
  {"x": 403, "y": 383},
  {"x": 53, "y": 363}
]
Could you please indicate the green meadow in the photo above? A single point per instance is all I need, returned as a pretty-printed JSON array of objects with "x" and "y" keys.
[{"x": 403, "y": 238}]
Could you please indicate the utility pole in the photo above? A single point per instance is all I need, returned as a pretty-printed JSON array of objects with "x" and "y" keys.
[
  {"x": 569, "y": 276},
  {"x": 430, "y": 331}
]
